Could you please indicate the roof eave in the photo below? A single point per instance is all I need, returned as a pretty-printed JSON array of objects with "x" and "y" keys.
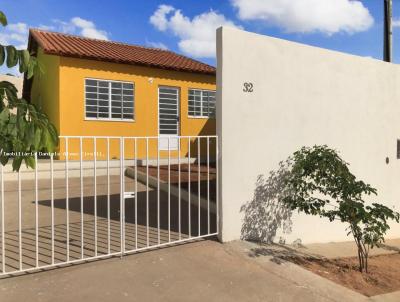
[{"x": 55, "y": 53}]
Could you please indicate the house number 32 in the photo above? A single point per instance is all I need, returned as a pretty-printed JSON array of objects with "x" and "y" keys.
[{"x": 248, "y": 87}]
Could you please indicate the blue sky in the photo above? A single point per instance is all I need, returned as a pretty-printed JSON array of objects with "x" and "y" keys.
[{"x": 187, "y": 26}]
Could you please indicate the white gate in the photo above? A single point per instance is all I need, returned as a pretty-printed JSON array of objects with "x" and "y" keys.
[{"x": 107, "y": 196}]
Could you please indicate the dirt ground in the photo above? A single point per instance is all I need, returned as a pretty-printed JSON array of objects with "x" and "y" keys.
[{"x": 383, "y": 276}]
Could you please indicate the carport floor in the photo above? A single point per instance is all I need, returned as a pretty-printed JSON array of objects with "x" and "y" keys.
[{"x": 147, "y": 222}]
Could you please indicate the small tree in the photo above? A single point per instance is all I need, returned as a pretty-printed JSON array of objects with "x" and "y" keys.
[
  {"x": 322, "y": 184},
  {"x": 24, "y": 128}
]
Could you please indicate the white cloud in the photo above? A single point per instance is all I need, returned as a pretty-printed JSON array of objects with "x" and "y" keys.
[
  {"x": 197, "y": 35},
  {"x": 82, "y": 23},
  {"x": 47, "y": 27},
  {"x": 306, "y": 16},
  {"x": 80, "y": 26},
  {"x": 396, "y": 22},
  {"x": 157, "y": 45},
  {"x": 17, "y": 33},
  {"x": 158, "y": 19},
  {"x": 62, "y": 26},
  {"x": 20, "y": 28}
]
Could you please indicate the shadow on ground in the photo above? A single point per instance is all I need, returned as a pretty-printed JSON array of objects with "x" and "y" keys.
[
  {"x": 283, "y": 253},
  {"x": 172, "y": 215},
  {"x": 389, "y": 247}
]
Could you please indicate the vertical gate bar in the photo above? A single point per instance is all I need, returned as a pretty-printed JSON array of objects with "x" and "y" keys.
[
  {"x": 136, "y": 195},
  {"x": 208, "y": 184},
  {"x": 67, "y": 191},
  {"x": 179, "y": 187},
  {"x": 147, "y": 191},
  {"x": 121, "y": 156},
  {"x": 19, "y": 220},
  {"x": 95, "y": 194},
  {"x": 189, "y": 202},
  {"x": 217, "y": 182},
  {"x": 3, "y": 239},
  {"x": 198, "y": 185},
  {"x": 108, "y": 196},
  {"x": 52, "y": 206},
  {"x": 81, "y": 187},
  {"x": 36, "y": 213},
  {"x": 158, "y": 191},
  {"x": 169, "y": 189},
  {"x": 123, "y": 199}
]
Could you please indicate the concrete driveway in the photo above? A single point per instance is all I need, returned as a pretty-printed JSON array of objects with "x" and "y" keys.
[
  {"x": 200, "y": 271},
  {"x": 82, "y": 220}
]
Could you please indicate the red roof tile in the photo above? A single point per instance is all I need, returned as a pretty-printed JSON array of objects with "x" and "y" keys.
[{"x": 100, "y": 50}]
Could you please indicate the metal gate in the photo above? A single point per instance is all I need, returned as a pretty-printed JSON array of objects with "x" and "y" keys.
[{"x": 107, "y": 196}]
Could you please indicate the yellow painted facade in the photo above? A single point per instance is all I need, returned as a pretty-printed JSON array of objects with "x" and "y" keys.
[
  {"x": 45, "y": 90},
  {"x": 60, "y": 92}
]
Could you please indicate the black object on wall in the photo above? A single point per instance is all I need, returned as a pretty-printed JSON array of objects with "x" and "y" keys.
[{"x": 387, "y": 31}]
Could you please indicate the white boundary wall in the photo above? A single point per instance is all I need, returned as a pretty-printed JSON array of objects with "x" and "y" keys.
[{"x": 302, "y": 96}]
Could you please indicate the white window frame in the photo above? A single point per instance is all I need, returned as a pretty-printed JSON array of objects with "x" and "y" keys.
[
  {"x": 201, "y": 104},
  {"x": 109, "y": 119}
]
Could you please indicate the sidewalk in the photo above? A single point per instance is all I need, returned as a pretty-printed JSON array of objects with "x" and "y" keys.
[{"x": 200, "y": 271}]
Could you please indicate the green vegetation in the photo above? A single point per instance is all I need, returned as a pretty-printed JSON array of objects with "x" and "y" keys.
[
  {"x": 24, "y": 129},
  {"x": 320, "y": 183}
]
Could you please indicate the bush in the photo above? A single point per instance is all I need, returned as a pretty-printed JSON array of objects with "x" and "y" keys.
[{"x": 321, "y": 184}]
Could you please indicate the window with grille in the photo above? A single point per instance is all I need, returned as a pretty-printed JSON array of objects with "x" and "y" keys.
[
  {"x": 109, "y": 100},
  {"x": 201, "y": 103}
]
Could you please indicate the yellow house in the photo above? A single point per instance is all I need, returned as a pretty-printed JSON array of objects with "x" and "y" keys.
[{"x": 100, "y": 88}]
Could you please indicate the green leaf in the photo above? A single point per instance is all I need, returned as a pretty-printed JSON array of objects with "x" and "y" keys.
[
  {"x": 4, "y": 116},
  {"x": 31, "y": 68},
  {"x": 3, "y": 160},
  {"x": 2, "y": 54},
  {"x": 29, "y": 135},
  {"x": 53, "y": 134},
  {"x": 3, "y": 19},
  {"x": 12, "y": 56},
  {"x": 30, "y": 161},
  {"x": 24, "y": 58},
  {"x": 17, "y": 163},
  {"x": 10, "y": 91},
  {"x": 48, "y": 141},
  {"x": 36, "y": 141}
]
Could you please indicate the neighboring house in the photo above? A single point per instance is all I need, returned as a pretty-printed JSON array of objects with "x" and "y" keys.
[
  {"x": 16, "y": 80},
  {"x": 100, "y": 88}
]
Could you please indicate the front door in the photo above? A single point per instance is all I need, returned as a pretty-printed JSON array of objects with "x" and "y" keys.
[{"x": 168, "y": 117}]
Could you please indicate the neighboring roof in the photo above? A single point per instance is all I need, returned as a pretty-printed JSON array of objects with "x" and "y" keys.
[{"x": 78, "y": 47}]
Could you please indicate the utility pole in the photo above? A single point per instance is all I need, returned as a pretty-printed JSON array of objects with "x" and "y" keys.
[{"x": 387, "y": 31}]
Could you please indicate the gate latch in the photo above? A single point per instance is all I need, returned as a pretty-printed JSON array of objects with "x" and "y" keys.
[{"x": 129, "y": 195}]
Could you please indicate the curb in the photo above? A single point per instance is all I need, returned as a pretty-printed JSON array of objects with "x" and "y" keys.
[{"x": 153, "y": 182}]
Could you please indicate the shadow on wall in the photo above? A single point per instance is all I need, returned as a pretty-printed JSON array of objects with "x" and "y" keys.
[{"x": 266, "y": 213}]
